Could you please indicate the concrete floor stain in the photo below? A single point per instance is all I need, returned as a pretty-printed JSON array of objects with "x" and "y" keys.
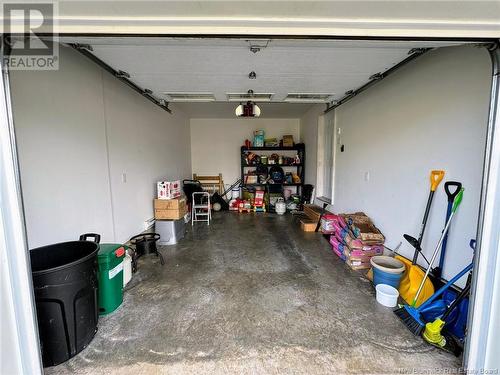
[{"x": 251, "y": 294}]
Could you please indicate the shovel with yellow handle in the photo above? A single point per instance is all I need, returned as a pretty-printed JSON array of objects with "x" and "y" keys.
[{"x": 414, "y": 274}]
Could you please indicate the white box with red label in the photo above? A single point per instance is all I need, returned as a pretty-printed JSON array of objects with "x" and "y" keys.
[{"x": 169, "y": 189}]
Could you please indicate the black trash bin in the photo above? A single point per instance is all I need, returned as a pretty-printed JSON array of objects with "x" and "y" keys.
[{"x": 65, "y": 286}]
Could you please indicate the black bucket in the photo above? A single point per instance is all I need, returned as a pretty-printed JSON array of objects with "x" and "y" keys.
[{"x": 65, "y": 285}]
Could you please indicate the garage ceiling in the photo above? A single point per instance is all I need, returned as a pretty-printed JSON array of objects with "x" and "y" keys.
[{"x": 222, "y": 66}]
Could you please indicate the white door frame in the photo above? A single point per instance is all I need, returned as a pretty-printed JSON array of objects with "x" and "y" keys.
[
  {"x": 485, "y": 296},
  {"x": 328, "y": 197},
  {"x": 20, "y": 343},
  {"x": 320, "y": 155},
  {"x": 482, "y": 351}
]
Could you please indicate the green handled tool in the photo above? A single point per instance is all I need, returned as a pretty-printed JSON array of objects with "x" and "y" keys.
[{"x": 456, "y": 203}]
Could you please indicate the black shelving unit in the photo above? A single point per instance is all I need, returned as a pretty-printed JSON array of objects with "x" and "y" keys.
[{"x": 300, "y": 168}]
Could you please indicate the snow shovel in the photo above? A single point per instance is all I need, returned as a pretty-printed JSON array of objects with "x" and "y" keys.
[
  {"x": 436, "y": 272},
  {"x": 414, "y": 274},
  {"x": 456, "y": 204}
]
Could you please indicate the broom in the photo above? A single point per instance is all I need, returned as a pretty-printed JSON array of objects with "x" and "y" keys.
[{"x": 410, "y": 315}]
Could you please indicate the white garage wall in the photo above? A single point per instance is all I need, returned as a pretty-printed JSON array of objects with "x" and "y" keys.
[
  {"x": 69, "y": 124},
  {"x": 431, "y": 114},
  {"x": 146, "y": 145},
  {"x": 61, "y": 141},
  {"x": 215, "y": 143}
]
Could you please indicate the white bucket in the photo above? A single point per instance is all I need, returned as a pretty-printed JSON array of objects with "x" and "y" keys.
[
  {"x": 387, "y": 295},
  {"x": 235, "y": 193},
  {"x": 127, "y": 269}
]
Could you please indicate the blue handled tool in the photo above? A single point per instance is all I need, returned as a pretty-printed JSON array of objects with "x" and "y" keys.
[{"x": 437, "y": 272}]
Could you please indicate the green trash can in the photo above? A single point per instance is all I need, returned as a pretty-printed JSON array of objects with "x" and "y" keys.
[{"x": 110, "y": 259}]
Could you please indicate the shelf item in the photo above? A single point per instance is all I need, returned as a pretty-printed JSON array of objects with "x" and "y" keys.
[
  {"x": 250, "y": 184},
  {"x": 299, "y": 167},
  {"x": 256, "y": 156},
  {"x": 297, "y": 147},
  {"x": 272, "y": 165}
]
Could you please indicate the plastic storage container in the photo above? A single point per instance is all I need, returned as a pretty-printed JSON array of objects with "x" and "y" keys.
[
  {"x": 258, "y": 138},
  {"x": 170, "y": 231},
  {"x": 110, "y": 259},
  {"x": 387, "y": 270},
  {"x": 65, "y": 288}
]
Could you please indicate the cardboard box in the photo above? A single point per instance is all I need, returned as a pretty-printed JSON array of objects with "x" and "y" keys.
[
  {"x": 170, "y": 204},
  {"x": 288, "y": 141},
  {"x": 161, "y": 214},
  {"x": 308, "y": 226},
  {"x": 271, "y": 142},
  {"x": 313, "y": 211},
  {"x": 367, "y": 232},
  {"x": 171, "y": 209},
  {"x": 168, "y": 189}
]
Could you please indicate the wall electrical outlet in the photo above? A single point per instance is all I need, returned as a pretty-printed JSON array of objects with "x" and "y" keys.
[{"x": 124, "y": 178}]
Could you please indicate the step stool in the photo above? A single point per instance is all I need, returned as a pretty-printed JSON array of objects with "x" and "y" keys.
[{"x": 200, "y": 209}]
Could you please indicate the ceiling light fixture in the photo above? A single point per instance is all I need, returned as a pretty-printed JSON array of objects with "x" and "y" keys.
[{"x": 250, "y": 109}]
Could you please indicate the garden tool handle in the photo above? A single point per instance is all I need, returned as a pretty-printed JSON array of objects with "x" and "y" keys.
[
  {"x": 436, "y": 178},
  {"x": 457, "y": 200},
  {"x": 456, "y": 203},
  {"x": 451, "y": 195},
  {"x": 451, "y": 200},
  {"x": 445, "y": 287}
]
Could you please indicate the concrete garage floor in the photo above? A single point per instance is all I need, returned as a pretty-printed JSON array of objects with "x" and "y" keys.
[{"x": 252, "y": 295}]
